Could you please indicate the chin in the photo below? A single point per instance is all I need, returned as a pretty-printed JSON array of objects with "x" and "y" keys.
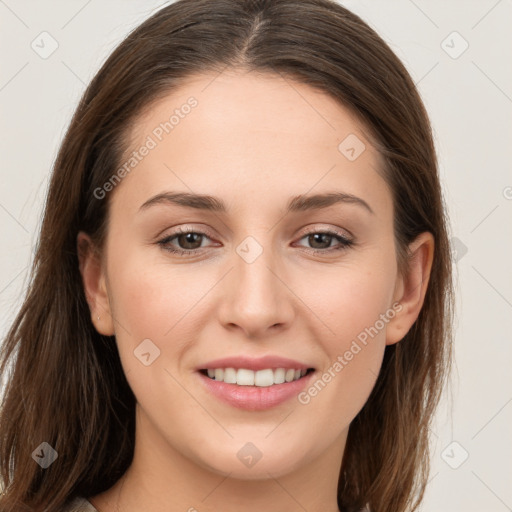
[{"x": 248, "y": 463}]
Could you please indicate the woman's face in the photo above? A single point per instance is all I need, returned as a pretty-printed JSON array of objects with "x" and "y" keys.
[{"x": 254, "y": 281}]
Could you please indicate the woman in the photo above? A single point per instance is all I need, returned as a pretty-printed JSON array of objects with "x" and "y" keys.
[{"x": 242, "y": 292}]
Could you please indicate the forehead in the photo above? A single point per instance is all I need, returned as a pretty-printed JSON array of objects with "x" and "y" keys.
[
  {"x": 239, "y": 132},
  {"x": 258, "y": 104}
]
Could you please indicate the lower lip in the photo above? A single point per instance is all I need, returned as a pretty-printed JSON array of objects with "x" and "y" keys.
[{"x": 255, "y": 398}]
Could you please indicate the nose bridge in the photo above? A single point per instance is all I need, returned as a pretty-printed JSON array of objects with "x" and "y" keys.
[
  {"x": 257, "y": 299},
  {"x": 255, "y": 279}
]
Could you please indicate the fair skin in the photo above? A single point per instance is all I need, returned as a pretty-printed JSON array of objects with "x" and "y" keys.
[{"x": 253, "y": 141}]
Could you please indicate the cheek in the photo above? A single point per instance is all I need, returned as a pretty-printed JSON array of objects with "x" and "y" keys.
[
  {"x": 356, "y": 309},
  {"x": 151, "y": 296},
  {"x": 347, "y": 299}
]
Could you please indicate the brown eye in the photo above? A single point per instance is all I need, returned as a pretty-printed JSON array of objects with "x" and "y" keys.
[
  {"x": 189, "y": 240},
  {"x": 321, "y": 241},
  {"x": 183, "y": 242}
]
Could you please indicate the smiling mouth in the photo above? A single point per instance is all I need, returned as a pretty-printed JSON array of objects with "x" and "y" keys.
[{"x": 260, "y": 378}]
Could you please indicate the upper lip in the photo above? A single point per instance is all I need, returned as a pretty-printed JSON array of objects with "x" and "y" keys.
[{"x": 260, "y": 363}]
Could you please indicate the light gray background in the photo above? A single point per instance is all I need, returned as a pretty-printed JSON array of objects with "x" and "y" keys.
[{"x": 469, "y": 99}]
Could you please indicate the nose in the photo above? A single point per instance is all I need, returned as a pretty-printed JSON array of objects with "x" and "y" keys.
[{"x": 256, "y": 297}]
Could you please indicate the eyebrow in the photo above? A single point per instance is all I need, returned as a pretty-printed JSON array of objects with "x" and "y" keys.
[{"x": 295, "y": 204}]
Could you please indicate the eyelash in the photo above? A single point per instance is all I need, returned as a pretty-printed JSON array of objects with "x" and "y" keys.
[{"x": 345, "y": 243}]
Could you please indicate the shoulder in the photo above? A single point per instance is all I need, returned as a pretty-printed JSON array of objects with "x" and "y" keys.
[{"x": 79, "y": 504}]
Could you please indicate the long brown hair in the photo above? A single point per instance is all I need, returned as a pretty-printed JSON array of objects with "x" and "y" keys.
[{"x": 66, "y": 385}]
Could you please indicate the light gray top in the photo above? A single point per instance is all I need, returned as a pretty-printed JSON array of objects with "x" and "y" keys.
[{"x": 80, "y": 504}]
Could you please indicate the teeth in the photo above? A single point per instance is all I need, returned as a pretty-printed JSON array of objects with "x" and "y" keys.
[
  {"x": 244, "y": 377},
  {"x": 263, "y": 378},
  {"x": 290, "y": 375},
  {"x": 230, "y": 376},
  {"x": 260, "y": 378},
  {"x": 279, "y": 376}
]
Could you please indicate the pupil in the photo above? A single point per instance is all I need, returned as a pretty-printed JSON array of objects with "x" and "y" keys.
[
  {"x": 316, "y": 236},
  {"x": 189, "y": 239}
]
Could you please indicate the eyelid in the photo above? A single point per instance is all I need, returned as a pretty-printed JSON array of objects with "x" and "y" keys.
[
  {"x": 314, "y": 229},
  {"x": 345, "y": 233},
  {"x": 346, "y": 241},
  {"x": 185, "y": 228}
]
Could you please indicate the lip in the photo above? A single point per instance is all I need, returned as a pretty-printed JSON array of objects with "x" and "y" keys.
[
  {"x": 255, "y": 398},
  {"x": 255, "y": 364}
]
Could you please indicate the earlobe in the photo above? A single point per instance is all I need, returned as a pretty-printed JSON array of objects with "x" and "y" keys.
[
  {"x": 411, "y": 287},
  {"x": 94, "y": 283}
]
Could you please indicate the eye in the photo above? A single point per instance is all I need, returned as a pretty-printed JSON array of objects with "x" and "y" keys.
[
  {"x": 321, "y": 241},
  {"x": 190, "y": 240}
]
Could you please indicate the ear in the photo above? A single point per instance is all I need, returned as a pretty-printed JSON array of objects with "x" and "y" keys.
[
  {"x": 411, "y": 287},
  {"x": 94, "y": 282}
]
